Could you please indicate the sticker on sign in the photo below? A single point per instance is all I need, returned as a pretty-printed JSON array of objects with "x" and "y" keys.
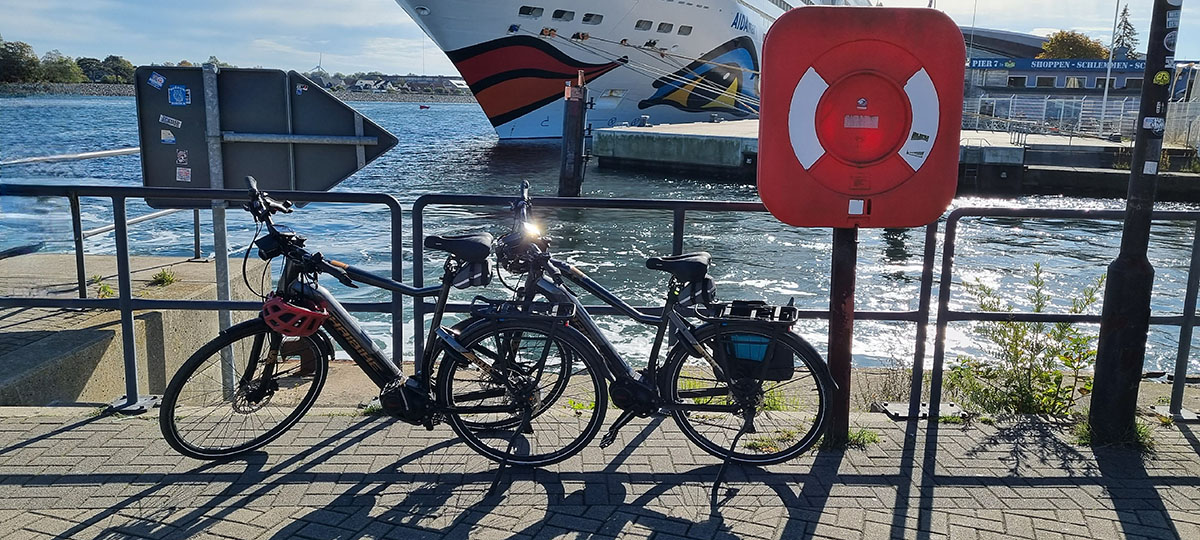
[{"x": 173, "y": 122}]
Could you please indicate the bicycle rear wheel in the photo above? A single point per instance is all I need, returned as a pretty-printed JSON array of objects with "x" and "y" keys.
[
  {"x": 539, "y": 400},
  {"x": 220, "y": 406},
  {"x": 788, "y": 415}
]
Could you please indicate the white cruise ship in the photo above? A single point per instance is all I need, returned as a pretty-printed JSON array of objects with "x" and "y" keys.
[{"x": 673, "y": 60}]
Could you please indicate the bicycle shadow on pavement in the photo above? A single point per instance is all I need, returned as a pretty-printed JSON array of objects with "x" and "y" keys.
[
  {"x": 248, "y": 477},
  {"x": 447, "y": 495}
]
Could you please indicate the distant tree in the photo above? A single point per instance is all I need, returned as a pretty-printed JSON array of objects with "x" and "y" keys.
[
  {"x": 214, "y": 61},
  {"x": 18, "y": 62},
  {"x": 1126, "y": 35},
  {"x": 92, "y": 68},
  {"x": 185, "y": 63},
  {"x": 57, "y": 68},
  {"x": 1068, "y": 44},
  {"x": 119, "y": 70}
]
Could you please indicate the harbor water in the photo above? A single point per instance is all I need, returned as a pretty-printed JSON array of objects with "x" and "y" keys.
[{"x": 451, "y": 148}]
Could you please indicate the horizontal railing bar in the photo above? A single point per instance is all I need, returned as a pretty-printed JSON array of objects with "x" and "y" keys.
[
  {"x": 28, "y": 190},
  {"x": 144, "y": 304},
  {"x": 1066, "y": 213},
  {"x": 281, "y": 138},
  {"x": 74, "y": 157},
  {"x": 572, "y": 202},
  {"x": 139, "y": 219}
]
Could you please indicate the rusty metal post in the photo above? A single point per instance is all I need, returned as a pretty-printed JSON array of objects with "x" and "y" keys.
[{"x": 841, "y": 329}]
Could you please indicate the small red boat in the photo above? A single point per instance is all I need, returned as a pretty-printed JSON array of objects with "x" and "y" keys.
[{"x": 423, "y": 107}]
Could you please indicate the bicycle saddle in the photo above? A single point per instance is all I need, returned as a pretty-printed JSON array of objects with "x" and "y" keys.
[
  {"x": 473, "y": 247},
  {"x": 686, "y": 268}
]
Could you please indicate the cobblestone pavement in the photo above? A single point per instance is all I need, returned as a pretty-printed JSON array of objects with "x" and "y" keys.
[{"x": 335, "y": 475}]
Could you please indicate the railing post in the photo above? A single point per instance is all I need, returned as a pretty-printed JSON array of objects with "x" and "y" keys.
[
  {"x": 923, "y": 302},
  {"x": 77, "y": 231},
  {"x": 677, "y": 226},
  {"x": 131, "y": 401},
  {"x": 1185, "y": 333},
  {"x": 196, "y": 255},
  {"x": 398, "y": 275}
]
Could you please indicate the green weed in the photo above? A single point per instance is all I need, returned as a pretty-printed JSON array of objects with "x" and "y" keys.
[
  {"x": 951, "y": 419},
  {"x": 1026, "y": 373},
  {"x": 164, "y": 277},
  {"x": 855, "y": 438},
  {"x": 105, "y": 290},
  {"x": 1141, "y": 439}
]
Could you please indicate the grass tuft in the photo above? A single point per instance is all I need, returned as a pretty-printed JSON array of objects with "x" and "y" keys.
[{"x": 164, "y": 277}]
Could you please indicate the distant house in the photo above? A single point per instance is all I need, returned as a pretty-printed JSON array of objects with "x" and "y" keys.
[
  {"x": 326, "y": 81},
  {"x": 370, "y": 85}
]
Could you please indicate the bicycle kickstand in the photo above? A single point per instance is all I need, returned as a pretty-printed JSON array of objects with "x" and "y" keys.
[
  {"x": 523, "y": 428},
  {"x": 611, "y": 436},
  {"x": 747, "y": 427}
]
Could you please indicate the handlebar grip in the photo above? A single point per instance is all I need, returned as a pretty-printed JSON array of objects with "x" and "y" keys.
[{"x": 252, "y": 184}]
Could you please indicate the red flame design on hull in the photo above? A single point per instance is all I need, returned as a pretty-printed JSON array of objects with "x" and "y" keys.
[{"x": 516, "y": 75}]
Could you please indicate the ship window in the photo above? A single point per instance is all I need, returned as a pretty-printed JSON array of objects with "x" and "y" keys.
[
  {"x": 1048, "y": 81},
  {"x": 1017, "y": 81},
  {"x": 666, "y": 27},
  {"x": 1075, "y": 82},
  {"x": 530, "y": 11},
  {"x": 563, "y": 15},
  {"x": 592, "y": 18},
  {"x": 643, "y": 25},
  {"x": 685, "y": 30},
  {"x": 1133, "y": 82}
]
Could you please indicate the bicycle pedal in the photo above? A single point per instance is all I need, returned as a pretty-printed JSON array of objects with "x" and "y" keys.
[{"x": 608, "y": 439}]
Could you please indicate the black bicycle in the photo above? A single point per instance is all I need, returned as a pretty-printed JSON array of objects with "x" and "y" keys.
[
  {"x": 245, "y": 388},
  {"x": 740, "y": 384}
]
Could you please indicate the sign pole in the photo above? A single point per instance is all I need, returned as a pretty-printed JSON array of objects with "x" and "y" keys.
[
  {"x": 841, "y": 329},
  {"x": 1125, "y": 319}
]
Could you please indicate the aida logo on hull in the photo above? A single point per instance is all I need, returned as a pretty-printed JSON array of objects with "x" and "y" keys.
[{"x": 742, "y": 23}]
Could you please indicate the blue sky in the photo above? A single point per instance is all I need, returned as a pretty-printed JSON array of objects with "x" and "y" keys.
[{"x": 366, "y": 35}]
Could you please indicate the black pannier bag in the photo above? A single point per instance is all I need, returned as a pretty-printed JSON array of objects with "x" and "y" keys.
[
  {"x": 701, "y": 292},
  {"x": 744, "y": 354},
  {"x": 473, "y": 275}
]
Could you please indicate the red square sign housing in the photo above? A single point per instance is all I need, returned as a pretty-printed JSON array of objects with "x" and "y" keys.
[{"x": 860, "y": 116}]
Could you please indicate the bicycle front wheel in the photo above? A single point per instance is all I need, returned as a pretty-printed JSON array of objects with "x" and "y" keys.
[
  {"x": 242, "y": 390},
  {"x": 712, "y": 403},
  {"x": 533, "y": 396}
]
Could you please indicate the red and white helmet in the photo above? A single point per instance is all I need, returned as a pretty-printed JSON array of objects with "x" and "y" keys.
[{"x": 290, "y": 319}]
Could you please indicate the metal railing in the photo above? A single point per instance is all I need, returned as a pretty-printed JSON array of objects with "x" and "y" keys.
[
  {"x": 677, "y": 210},
  {"x": 1186, "y": 321},
  {"x": 126, "y": 303}
]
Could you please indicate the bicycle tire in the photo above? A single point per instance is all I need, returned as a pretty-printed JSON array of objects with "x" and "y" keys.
[
  {"x": 554, "y": 350},
  {"x": 793, "y": 412},
  {"x": 254, "y": 413}
]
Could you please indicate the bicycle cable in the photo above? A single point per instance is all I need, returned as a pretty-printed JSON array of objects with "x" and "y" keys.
[{"x": 245, "y": 261}]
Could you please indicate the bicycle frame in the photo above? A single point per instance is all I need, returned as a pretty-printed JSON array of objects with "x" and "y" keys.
[
  {"x": 347, "y": 332},
  {"x": 615, "y": 366}
]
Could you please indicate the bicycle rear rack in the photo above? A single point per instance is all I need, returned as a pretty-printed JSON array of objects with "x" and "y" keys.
[
  {"x": 516, "y": 310},
  {"x": 748, "y": 310}
]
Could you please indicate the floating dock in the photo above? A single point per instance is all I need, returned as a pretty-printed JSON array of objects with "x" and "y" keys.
[{"x": 991, "y": 162}]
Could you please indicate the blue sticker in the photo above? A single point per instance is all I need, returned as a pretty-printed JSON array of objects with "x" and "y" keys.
[
  {"x": 179, "y": 95},
  {"x": 301, "y": 88},
  {"x": 156, "y": 80},
  {"x": 167, "y": 137}
]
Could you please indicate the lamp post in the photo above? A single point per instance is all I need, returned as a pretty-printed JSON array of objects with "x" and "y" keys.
[
  {"x": 1121, "y": 351},
  {"x": 1112, "y": 40}
]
